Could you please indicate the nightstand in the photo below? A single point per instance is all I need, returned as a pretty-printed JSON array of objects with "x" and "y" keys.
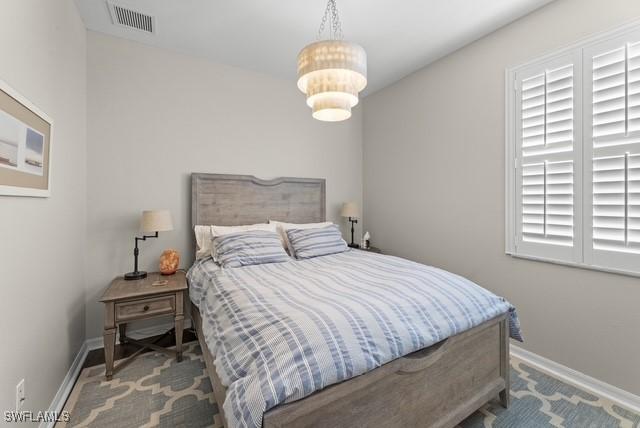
[
  {"x": 140, "y": 299},
  {"x": 371, "y": 250}
]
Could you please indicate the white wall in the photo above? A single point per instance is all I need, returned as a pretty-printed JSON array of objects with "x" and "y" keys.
[
  {"x": 434, "y": 192},
  {"x": 42, "y": 241},
  {"x": 156, "y": 116}
]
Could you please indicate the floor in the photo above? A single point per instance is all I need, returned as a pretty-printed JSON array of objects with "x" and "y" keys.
[{"x": 155, "y": 390}]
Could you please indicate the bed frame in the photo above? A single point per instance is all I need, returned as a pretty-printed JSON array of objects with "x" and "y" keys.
[{"x": 438, "y": 386}]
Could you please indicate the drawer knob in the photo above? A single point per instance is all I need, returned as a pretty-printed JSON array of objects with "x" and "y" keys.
[{"x": 146, "y": 308}]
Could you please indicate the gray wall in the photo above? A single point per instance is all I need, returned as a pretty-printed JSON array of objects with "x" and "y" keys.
[
  {"x": 434, "y": 192},
  {"x": 156, "y": 116},
  {"x": 42, "y": 241}
]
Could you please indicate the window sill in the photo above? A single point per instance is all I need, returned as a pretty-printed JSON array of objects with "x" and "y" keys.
[{"x": 574, "y": 264}]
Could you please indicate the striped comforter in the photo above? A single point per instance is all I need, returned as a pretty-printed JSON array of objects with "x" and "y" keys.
[{"x": 278, "y": 332}]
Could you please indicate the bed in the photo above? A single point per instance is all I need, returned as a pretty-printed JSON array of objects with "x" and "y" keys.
[{"x": 434, "y": 380}]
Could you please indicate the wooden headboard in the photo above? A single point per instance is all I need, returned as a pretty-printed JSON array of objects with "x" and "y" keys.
[{"x": 233, "y": 200}]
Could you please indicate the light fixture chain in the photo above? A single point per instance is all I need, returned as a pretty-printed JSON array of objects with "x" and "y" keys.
[
  {"x": 335, "y": 26},
  {"x": 324, "y": 20}
]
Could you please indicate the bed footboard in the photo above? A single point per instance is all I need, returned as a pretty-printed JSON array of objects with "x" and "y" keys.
[{"x": 437, "y": 386}]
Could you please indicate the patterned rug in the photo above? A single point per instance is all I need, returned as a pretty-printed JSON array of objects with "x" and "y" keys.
[{"x": 155, "y": 390}]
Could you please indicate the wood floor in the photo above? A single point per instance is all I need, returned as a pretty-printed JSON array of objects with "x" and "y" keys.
[{"x": 96, "y": 356}]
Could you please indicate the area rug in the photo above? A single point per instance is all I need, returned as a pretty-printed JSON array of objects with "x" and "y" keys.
[{"x": 156, "y": 391}]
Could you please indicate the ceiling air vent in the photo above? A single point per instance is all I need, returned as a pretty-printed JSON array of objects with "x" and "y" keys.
[{"x": 129, "y": 18}]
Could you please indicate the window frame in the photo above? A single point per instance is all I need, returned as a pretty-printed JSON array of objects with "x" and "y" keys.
[{"x": 583, "y": 253}]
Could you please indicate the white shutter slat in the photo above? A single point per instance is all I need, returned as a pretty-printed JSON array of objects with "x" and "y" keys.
[
  {"x": 607, "y": 58},
  {"x": 610, "y": 86},
  {"x": 607, "y": 106},
  {"x": 533, "y": 111}
]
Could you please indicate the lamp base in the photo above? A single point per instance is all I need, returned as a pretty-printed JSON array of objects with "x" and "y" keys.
[
  {"x": 352, "y": 245},
  {"x": 135, "y": 275}
]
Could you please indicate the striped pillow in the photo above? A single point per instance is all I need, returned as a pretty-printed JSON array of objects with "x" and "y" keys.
[
  {"x": 309, "y": 243},
  {"x": 249, "y": 248}
]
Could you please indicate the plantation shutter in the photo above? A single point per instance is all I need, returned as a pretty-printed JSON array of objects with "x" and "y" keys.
[
  {"x": 616, "y": 95},
  {"x": 546, "y": 170},
  {"x": 573, "y": 155},
  {"x": 612, "y": 153},
  {"x": 616, "y": 203}
]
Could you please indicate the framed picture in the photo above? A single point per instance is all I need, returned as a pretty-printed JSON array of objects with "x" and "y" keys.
[{"x": 25, "y": 146}]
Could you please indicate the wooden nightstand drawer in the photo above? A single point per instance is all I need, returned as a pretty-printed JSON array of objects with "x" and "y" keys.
[{"x": 145, "y": 308}]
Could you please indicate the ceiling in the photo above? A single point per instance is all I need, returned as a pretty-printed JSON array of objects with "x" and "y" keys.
[{"x": 266, "y": 35}]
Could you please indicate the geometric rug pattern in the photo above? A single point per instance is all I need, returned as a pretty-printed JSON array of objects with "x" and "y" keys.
[
  {"x": 156, "y": 391},
  {"x": 152, "y": 391},
  {"x": 541, "y": 400}
]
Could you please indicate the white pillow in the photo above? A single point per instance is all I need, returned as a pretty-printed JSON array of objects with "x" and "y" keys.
[
  {"x": 282, "y": 228},
  {"x": 225, "y": 230},
  {"x": 203, "y": 241}
]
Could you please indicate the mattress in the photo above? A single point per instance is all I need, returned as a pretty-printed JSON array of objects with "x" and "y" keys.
[{"x": 279, "y": 332}]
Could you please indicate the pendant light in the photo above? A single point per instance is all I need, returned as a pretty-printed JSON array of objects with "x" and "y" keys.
[{"x": 332, "y": 72}]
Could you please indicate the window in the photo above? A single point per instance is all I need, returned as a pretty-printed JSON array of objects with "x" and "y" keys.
[{"x": 573, "y": 155}]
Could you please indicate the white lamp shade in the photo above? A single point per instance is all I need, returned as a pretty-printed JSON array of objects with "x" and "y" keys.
[
  {"x": 350, "y": 209},
  {"x": 156, "y": 221}
]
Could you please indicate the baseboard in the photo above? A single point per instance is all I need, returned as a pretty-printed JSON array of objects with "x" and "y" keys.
[
  {"x": 67, "y": 384},
  {"x": 90, "y": 344},
  {"x": 578, "y": 379}
]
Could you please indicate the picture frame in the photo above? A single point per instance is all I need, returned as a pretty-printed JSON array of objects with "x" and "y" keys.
[{"x": 26, "y": 135}]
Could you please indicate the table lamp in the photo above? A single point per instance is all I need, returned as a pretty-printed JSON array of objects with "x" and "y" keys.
[
  {"x": 152, "y": 222},
  {"x": 350, "y": 210}
]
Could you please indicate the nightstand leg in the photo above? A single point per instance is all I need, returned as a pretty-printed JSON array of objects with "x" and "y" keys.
[
  {"x": 179, "y": 329},
  {"x": 109, "y": 338},
  {"x": 123, "y": 334},
  {"x": 109, "y": 348},
  {"x": 179, "y": 324}
]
